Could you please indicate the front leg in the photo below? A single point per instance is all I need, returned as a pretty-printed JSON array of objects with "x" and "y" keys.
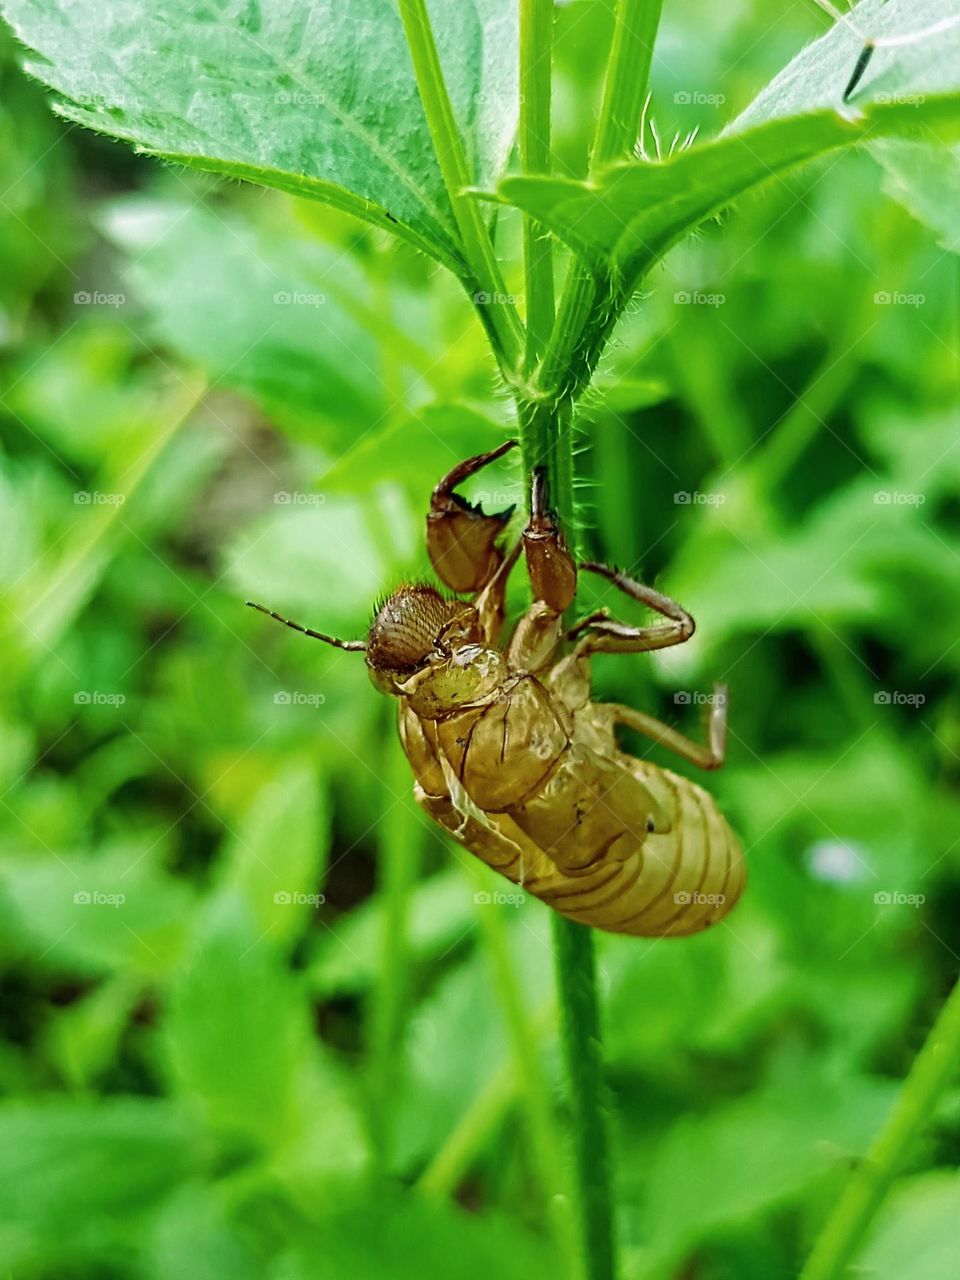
[{"x": 461, "y": 537}]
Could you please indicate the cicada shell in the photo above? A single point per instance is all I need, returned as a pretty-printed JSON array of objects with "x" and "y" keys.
[{"x": 514, "y": 759}]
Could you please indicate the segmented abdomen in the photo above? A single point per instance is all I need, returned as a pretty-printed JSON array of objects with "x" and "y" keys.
[{"x": 671, "y": 885}]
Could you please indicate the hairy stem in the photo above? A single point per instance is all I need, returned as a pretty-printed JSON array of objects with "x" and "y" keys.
[
  {"x": 583, "y": 1057},
  {"x": 499, "y": 314},
  {"x": 546, "y": 441},
  {"x": 625, "y": 86},
  {"x": 536, "y": 43},
  {"x": 583, "y": 323},
  {"x": 588, "y": 310},
  {"x": 932, "y": 1070}
]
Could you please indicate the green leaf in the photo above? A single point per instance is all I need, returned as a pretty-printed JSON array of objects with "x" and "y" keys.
[
  {"x": 236, "y": 1030},
  {"x": 322, "y": 561},
  {"x": 75, "y": 1178},
  {"x": 319, "y": 101},
  {"x": 796, "y": 578},
  {"x": 346, "y": 962},
  {"x": 699, "y": 1182},
  {"x": 82, "y": 1039},
  {"x": 193, "y": 1235},
  {"x": 926, "y": 181},
  {"x": 273, "y": 857},
  {"x": 916, "y": 1238},
  {"x": 91, "y": 916},
  {"x": 404, "y": 1239},
  {"x": 267, "y": 310},
  {"x": 626, "y": 219},
  {"x": 411, "y": 451}
]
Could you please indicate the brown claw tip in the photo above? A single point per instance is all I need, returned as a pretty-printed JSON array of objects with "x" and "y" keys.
[
  {"x": 538, "y": 493},
  {"x": 461, "y": 536}
]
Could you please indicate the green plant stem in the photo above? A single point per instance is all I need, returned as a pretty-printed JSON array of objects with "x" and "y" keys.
[
  {"x": 583, "y": 1057},
  {"x": 585, "y": 318},
  {"x": 589, "y": 306},
  {"x": 536, "y": 44},
  {"x": 928, "y": 1077},
  {"x": 546, "y": 440},
  {"x": 625, "y": 85},
  {"x": 497, "y": 311}
]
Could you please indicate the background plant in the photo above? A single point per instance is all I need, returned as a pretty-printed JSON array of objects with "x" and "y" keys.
[{"x": 211, "y": 392}]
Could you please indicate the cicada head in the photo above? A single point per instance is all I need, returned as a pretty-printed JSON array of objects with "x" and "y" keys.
[{"x": 431, "y": 651}]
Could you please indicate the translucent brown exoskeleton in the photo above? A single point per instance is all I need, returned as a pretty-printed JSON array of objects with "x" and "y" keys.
[{"x": 510, "y": 754}]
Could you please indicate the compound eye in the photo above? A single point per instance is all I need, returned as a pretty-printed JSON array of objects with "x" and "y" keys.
[{"x": 651, "y": 824}]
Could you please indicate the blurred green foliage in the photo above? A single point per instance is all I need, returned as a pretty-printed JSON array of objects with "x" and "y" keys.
[{"x": 256, "y": 1013}]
